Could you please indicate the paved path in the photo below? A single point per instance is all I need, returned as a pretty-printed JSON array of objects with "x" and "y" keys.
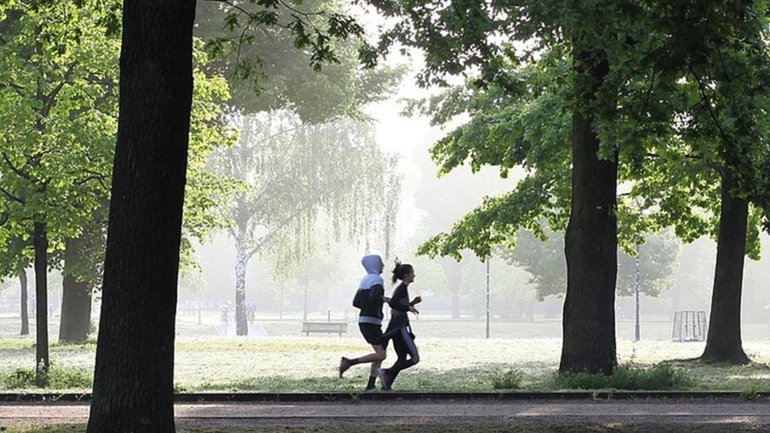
[{"x": 446, "y": 412}]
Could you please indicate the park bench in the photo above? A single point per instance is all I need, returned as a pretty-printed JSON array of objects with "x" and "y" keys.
[{"x": 327, "y": 327}]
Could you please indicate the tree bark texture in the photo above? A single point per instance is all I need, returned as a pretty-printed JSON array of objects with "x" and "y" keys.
[
  {"x": 241, "y": 322},
  {"x": 723, "y": 343},
  {"x": 24, "y": 302},
  {"x": 133, "y": 378},
  {"x": 588, "y": 322},
  {"x": 42, "y": 362},
  {"x": 76, "y": 297}
]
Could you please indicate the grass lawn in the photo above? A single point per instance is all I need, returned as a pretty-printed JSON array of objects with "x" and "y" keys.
[{"x": 306, "y": 364}]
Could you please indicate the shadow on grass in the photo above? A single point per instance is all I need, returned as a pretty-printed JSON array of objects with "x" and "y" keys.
[{"x": 474, "y": 378}]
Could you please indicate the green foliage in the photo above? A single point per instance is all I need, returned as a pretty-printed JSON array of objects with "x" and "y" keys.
[
  {"x": 20, "y": 378},
  {"x": 626, "y": 377},
  {"x": 265, "y": 55},
  {"x": 58, "y": 82},
  {"x": 68, "y": 378},
  {"x": 57, "y": 99},
  {"x": 750, "y": 393},
  {"x": 59, "y": 378},
  {"x": 509, "y": 379},
  {"x": 685, "y": 92},
  {"x": 544, "y": 260},
  {"x": 670, "y": 157},
  {"x": 291, "y": 174}
]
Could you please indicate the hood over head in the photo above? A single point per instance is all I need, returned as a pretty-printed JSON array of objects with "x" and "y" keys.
[{"x": 372, "y": 264}]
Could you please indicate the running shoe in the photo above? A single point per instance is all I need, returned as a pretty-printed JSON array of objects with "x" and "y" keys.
[{"x": 384, "y": 379}]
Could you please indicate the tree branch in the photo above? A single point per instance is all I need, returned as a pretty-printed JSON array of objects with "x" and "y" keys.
[
  {"x": 10, "y": 196},
  {"x": 707, "y": 102},
  {"x": 50, "y": 99},
  {"x": 21, "y": 173},
  {"x": 97, "y": 177},
  {"x": 286, "y": 221},
  {"x": 16, "y": 87}
]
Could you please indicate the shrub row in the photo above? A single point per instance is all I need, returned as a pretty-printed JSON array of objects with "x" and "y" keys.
[{"x": 58, "y": 378}]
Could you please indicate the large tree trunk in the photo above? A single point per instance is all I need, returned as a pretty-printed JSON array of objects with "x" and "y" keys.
[
  {"x": 241, "y": 320},
  {"x": 76, "y": 297},
  {"x": 723, "y": 343},
  {"x": 134, "y": 373},
  {"x": 42, "y": 362},
  {"x": 24, "y": 302},
  {"x": 456, "y": 303},
  {"x": 590, "y": 242}
]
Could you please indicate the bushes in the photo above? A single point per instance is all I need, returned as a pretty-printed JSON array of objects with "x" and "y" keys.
[
  {"x": 657, "y": 377},
  {"x": 510, "y": 379},
  {"x": 19, "y": 378},
  {"x": 58, "y": 378}
]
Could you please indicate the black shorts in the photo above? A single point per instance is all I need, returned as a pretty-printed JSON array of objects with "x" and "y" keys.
[{"x": 372, "y": 333}]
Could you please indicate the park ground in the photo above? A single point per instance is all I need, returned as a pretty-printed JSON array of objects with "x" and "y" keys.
[
  {"x": 413, "y": 416},
  {"x": 452, "y": 359}
]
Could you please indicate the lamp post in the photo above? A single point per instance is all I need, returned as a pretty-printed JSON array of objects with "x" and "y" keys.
[
  {"x": 637, "y": 332},
  {"x": 487, "y": 334}
]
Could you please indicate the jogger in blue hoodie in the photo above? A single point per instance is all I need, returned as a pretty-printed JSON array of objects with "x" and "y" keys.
[{"x": 369, "y": 298}]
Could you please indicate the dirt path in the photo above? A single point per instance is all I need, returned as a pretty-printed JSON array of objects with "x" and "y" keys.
[
  {"x": 615, "y": 416},
  {"x": 445, "y": 411}
]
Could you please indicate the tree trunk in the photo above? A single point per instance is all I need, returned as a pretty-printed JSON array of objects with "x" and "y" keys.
[
  {"x": 42, "y": 362},
  {"x": 76, "y": 297},
  {"x": 241, "y": 319},
  {"x": 304, "y": 300},
  {"x": 24, "y": 302},
  {"x": 588, "y": 322},
  {"x": 723, "y": 343},
  {"x": 456, "y": 304},
  {"x": 134, "y": 374}
]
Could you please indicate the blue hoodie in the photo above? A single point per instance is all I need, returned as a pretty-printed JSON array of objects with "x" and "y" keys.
[{"x": 369, "y": 296}]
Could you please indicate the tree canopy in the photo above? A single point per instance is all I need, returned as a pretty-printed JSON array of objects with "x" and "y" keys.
[{"x": 544, "y": 260}]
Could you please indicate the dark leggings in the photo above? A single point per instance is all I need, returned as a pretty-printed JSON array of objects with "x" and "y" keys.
[{"x": 406, "y": 351}]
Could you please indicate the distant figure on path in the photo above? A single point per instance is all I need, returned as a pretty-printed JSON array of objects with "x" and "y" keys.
[
  {"x": 251, "y": 309},
  {"x": 399, "y": 329},
  {"x": 369, "y": 299}
]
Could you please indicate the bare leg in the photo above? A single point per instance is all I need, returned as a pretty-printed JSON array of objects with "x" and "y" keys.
[
  {"x": 379, "y": 356},
  {"x": 375, "y": 358}
]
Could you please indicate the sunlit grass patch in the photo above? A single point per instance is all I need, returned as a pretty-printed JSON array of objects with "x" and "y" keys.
[
  {"x": 727, "y": 377},
  {"x": 309, "y": 364}
]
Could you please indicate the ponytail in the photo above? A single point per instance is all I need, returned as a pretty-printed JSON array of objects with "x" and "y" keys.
[{"x": 400, "y": 270}]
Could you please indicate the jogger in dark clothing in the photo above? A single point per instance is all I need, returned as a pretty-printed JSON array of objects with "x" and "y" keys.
[
  {"x": 369, "y": 298},
  {"x": 399, "y": 329}
]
